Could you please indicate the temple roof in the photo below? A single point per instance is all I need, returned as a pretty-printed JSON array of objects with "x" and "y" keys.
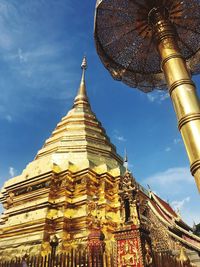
[{"x": 177, "y": 228}]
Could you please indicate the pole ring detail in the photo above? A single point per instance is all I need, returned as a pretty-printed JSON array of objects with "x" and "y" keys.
[
  {"x": 164, "y": 35},
  {"x": 179, "y": 83},
  {"x": 175, "y": 55},
  {"x": 194, "y": 167},
  {"x": 188, "y": 118}
]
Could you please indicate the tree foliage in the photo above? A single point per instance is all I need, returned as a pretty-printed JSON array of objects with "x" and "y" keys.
[{"x": 197, "y": 229}]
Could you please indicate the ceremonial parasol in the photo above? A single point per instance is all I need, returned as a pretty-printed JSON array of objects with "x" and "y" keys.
[{"x": 155, "y": 44}]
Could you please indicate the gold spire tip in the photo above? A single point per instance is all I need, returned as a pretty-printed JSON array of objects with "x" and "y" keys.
[
  {"x": 82, "y": 94},
  {"x": 84, "y": 63}
]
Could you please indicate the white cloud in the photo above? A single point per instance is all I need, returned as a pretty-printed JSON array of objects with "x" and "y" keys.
[
  {"x": 21, "y": 56},
  {"x": 8, "y": 118},
  {"x": 11, "y": 171},
  {"x": 151, "y": 98},
  {"x": 35, "y": 69},
  {"x": 158, "y": 96},
  {"x": 163, "y": 96},
  {"x": 170, "y": 177},
  {"x": 119, "y": 137},
  {"x": 178, "y": 204},
  {"x": 167, "y": 149},
  {"x": 7, "y": 10},
  {"x": 4, "y": 115},
  {"x": 177, "y": 141}
]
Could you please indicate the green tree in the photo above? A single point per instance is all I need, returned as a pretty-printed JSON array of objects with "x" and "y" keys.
[{"x": 197, "y": 229}]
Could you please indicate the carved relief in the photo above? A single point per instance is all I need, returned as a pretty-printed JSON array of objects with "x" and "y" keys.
[
  {"x": 128, "y": 252},
  {"x": 148, "y": 255},
  {"x": 127, "y": 183},
  {"x": 9, "y": 199},
  {"x": 158, "y": 233},
  {"x": 129, "y": 199},
  {"x": 31, "y": 188}
]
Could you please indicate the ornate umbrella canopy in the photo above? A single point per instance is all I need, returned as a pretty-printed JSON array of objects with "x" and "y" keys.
[{"x": 125, "y": 42}]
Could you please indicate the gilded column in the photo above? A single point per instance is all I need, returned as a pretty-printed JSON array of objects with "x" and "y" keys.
[{"x": 181, "y": 88}]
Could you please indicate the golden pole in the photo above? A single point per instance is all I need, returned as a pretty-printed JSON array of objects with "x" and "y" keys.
[{"x": 181, "y": 88}]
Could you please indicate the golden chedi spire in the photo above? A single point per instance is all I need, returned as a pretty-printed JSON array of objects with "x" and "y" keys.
[
  {"x": 80, "y": 137},
  {"x": 81, "y": 97}
]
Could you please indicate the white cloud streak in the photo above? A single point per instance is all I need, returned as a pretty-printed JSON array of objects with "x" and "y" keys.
[
  {"x": 170, "y": 177},
  {"x": 179, "y": 204},
  {"x": 11, "y": 171},
  {"x": 8, "y": 118},
  {"x": 119, "y": 137},
  {"x": 177, "y": 141},
  {"x": 157, "y": 96},
  {"x": 34, "y": 66}
]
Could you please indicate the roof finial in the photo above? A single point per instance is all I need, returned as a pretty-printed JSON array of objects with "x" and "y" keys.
[
  {"x": 81, "y": 97},
  {"x": 84, "y": 68},
  {"x": 149, "y": 187},
  {"x": 84, "y": 63},
  {"x": 194, "y": 227},
  {"x": 126, "y": 160}
]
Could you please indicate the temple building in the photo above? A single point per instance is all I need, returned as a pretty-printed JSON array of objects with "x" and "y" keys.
[{"x": 78, "y": 185}]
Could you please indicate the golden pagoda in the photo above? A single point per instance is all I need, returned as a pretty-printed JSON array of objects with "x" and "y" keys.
[
  {"x": 70, "y": 185},
  {"x": 78, "y": 195}
]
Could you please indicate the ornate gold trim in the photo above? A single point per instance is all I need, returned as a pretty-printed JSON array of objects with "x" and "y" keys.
[
  {"x": 195, "y": 166},
  {"x": 179, "y": 83},
  {"x": 165, "y": 60},
  {"x": 184, "y": 241},
  {"x": 188, "y": 118}
]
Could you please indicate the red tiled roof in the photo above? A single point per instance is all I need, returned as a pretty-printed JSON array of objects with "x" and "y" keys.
[
  {"x": 159, "y": 210},
  {"x": 166, "y": 206}
]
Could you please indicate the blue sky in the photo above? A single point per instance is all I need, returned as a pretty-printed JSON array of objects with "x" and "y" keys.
[{"x": 42, "y": 43}]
